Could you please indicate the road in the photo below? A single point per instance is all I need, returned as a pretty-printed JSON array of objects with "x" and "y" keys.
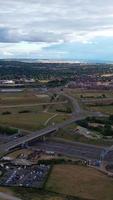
[
  {"x": 78, "y": 114},
  {"x": 30, "y": 105},
  {"x": 71, "y": 149},
  {"x": 76, "y": 107},
  {"x": 34, "y": 135},
  {"x": 8, "y": 197}
]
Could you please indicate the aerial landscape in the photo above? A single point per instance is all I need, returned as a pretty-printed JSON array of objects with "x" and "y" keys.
[{"x": 56, "y": 100}]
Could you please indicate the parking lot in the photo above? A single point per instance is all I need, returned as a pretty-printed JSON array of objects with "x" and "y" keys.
[{"x": 33, "y": 176}]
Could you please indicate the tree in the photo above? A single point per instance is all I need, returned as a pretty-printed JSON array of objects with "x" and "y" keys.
[
  {"x": 103, "y": 95},
  {"x": 111, "y": 117},
  {"x": 107, "y": 130}
]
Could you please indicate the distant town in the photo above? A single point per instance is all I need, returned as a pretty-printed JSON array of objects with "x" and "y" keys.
[{"x": 53, "y": 74}]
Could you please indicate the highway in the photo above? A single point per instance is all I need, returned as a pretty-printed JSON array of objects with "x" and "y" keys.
[
  {"x": 34, "y": 135},
  {"x": 77, "y": 114},
  {"x": 75, "y": 149}
]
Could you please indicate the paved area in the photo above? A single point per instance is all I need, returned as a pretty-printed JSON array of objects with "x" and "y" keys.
[
  {"x": 8, "y": 197},
  {"x": 26, "y": 176},
  {"x": 19, "y": 141},
  {"x": 77, "y": 150}
]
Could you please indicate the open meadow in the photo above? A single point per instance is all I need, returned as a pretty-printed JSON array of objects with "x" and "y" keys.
[
  {"x": 90, "y": 94},
  {"x": 89, "y": 99},
  {"x": 28, "y": 194},
  {"x": 30, "y": 110},
  {"x": 80, "y": 181},
  {"x": 107, "y": 109}
]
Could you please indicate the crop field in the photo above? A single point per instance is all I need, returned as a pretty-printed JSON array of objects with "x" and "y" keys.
[{"x": 80, "y": 181}]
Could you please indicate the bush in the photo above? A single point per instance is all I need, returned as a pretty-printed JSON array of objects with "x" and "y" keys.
[
  {"x": 111, "y": 118},
  {"x": 83, "y": 123},
  {"x": 24, "y": 111},
  {"x": 8, "y": 131},
  {"x": 6, "y": 113},
  {"x": 52, "y": 161}
]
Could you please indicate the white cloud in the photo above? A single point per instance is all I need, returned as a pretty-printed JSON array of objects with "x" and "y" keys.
[
  {"x": 30, "y": 25},
  {"x": 23, "y": 49}
]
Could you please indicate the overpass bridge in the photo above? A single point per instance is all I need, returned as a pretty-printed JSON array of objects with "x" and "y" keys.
[
  {"x": 35, "y": 135},
  {"x": 77, "y": 114}
]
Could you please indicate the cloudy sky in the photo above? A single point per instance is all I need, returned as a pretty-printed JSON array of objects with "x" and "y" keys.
[{"x": 56, "y": 29}]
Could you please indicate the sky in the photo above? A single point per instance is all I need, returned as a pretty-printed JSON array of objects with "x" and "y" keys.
[{"x": 56, "y": 29}]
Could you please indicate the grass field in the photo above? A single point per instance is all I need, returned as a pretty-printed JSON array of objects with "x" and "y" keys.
[
  {"x": 30, "y": 194},
  {"x": 28, "y": 121},
  {"x": 66, "y": 134},
  {"x": 89, "y": 93},
  {"x": 34, "y": 194},
  {"x": 80, "y": 181},
  {"x": 15, "y": 110},
  {"x": 35, "y": 118},
  {"x": 54, "y": 108},
  {"x": 22, "y": 98},
  {"x": 59, "y": 118},
  {"x": 104, "y": 109},
  {"x": 93, "y": 95}
]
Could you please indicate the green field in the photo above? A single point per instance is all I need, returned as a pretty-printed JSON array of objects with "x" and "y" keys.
[
  {"x": 35, "y": 194},
  {"x": 54, "y": 108},
  {"x": 22, "y": 98},
  {"x": 93, "y": 95},
  {"x": 37, "y": 114},
  {"x": 80, "y": 181},
  {"x": 15, "y": 110},
  {"x": 28, "y": 121},
  {"x": 104, "y": 109},
  {"x": 59, "y": 119},
  {"x": 30, "y": 194},
  {"x": 31, "y": 121},
  {"x": 66, "y": 134},
  {"x": 89, "y": 93}
]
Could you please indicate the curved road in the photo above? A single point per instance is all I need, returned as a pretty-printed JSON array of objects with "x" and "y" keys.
[{"x": 78, "y": 114}]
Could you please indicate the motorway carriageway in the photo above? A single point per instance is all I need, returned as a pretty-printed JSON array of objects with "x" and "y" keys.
[
  {"x": 77, "y": 150},
  {"x": 34, "y": 135}
]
